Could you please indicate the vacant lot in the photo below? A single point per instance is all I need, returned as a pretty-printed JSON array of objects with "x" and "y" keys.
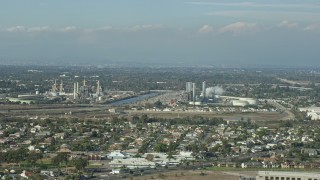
[
  {"x": 257, "y": 116},
  {"x": 197, "y": 175}
]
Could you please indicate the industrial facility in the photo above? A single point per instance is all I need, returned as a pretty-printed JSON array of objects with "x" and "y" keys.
[
  {"x": 213, "y": 95},
  {"x": 86, "y": 91},
  {"x": 268, "y": 175}
]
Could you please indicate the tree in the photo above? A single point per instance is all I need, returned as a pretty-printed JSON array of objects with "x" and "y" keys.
[
  {"x": 158, "y": 104},
  {"x": 144, "y": 147},
  {"x": 94, "y": 134},
  {"x": 161, "y": 147},
  {"x": 33, "y": 157},
  {"x": 60, "y": 158},
  {"x": 172, "y": 146},
  {"x": 149, "y": 157},
  {"x": 170, "y": 156},
  {"x": 80, "y": 163}
]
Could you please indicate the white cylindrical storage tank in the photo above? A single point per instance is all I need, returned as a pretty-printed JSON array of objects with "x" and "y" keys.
[
  {"x": 251, "y": 101},
  {"x": 239, "y": 103},
  {"x": 198, "y": 103}
]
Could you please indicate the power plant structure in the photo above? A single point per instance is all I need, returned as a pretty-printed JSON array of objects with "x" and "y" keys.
[
  {"x": 203, "y": 89},
  {"x": 75, "y": 90},
  {"x": 191, "y": 89},
  {"x": 56, "y": 89},
  {"x": 212, "y": 95},
  {"x": 85, "y": 91},
  {"x": 61, "y": 90},
  {"x": 194, "y": 92},
  {"x": 188, "y": 87}
]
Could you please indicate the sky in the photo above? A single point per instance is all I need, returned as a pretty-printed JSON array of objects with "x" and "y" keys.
[{"x": 167, "y": 32}]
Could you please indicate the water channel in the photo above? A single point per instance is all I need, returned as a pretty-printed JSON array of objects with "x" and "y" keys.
[{"x": 133, "y": 100}]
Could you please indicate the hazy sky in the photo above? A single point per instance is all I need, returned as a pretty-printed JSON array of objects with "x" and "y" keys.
[{"x": 270, "y": 32}]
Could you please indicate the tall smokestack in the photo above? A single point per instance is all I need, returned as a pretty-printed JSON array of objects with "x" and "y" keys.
[
  {"x": 98, "y": 87},
  {"x": 54, "y": 86},
  {"x": 189, "y": 86},
  {"x": 194, "y": 92},
  {"x": 204, "y": 89},
  {"x": 61, "y": 86},
  {"x": 74, "y": 90},
  {"x": 77, "y": 88}
]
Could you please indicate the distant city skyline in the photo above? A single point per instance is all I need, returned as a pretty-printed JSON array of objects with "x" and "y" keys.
[{"x": 179, "y": 32}]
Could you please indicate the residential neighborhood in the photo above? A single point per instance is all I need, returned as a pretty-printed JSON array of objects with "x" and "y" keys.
[{"x": 124, "y": 146}]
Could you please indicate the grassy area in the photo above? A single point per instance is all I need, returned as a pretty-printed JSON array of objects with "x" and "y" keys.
[
  {"x": 44, "y": 161},
  {"x": 94, "y": 166},
  {"x": 259, "y": 169}
]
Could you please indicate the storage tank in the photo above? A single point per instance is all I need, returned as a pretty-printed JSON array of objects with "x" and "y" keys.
[
  {"x": 239, "y": 103},
  {"x": 251, "y": 101},
  {"x": 198, "y": 103}
]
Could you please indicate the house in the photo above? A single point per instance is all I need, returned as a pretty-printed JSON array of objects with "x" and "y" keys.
[
  {"x": 4, "y": 140},
  {"x": 47, "y": 173},
  {"x": 227, "y": 164},
  {"x": 15, "y": 135},
  {"x": 33, "y": 130},
  {"x": 25, "y": 174},
  {"x": 46, "y": 141},
  {"x": 37, "y": 127},
  {"x": 59, "y": 136},
  {"x": 270, "y": 165},
  {"x": 185, "y": 155},
  {"x": 31, "y": 148},
  {"x": 286, "y": 165},
  {"x": 309, "y": 151},
  {"x": 64, "y": 148},
  {"x": 26, "y": 142},
  {"x": 94, "y": 157},
  {"x": 300, "y": 165},
  {"x": 251, "y": 165},
  {"x": 43, "y": 133}
]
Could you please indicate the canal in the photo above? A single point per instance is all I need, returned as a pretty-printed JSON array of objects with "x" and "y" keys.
[{"x": 133, "y": 100}]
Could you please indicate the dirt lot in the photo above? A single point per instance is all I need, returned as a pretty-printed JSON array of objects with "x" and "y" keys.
[
  {"x": 197, "y": 175},
  {"x": 259, "y": 116}
]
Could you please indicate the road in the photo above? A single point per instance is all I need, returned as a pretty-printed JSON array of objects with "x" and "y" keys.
[{"x": 290, "y": 115}]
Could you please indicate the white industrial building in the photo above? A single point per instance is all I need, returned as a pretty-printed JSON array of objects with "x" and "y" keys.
[
  {"x": 163, "y": 160},
  {"x": 132, "y": 163},
  {"x": 118, "y": 155},
  {"x": 313, "y": 112},
  {"x": 281, "y": 175},
  {"x": 241, "y": 101}
]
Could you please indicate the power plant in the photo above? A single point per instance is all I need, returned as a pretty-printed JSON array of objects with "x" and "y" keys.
[
  {"x": 85, "y": 91},
  {"x": 213, "y": 95},
  {"x": 191, "y": 89}
]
